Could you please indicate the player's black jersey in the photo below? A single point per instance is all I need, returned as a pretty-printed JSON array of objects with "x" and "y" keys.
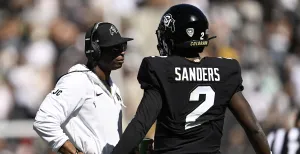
[
  {"x": 195, "y": 96},
  {"x": 284, "y": 141}
]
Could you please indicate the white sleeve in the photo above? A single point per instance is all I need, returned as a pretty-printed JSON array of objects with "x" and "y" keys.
[{"x": 67, "y": 96}]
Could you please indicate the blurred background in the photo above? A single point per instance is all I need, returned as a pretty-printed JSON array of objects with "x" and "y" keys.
[{"x": 41, "y": 39}]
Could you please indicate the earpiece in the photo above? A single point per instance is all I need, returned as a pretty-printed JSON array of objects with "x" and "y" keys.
[{"x": 94, "y": 43}]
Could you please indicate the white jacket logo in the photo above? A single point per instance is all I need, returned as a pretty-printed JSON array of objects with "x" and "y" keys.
[
  {"x": 57, "y": 92},
  {"x": 169, "y": 22}
]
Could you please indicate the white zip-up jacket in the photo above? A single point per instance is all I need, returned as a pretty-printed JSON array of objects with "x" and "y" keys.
[{"x": 81, "y": 109}]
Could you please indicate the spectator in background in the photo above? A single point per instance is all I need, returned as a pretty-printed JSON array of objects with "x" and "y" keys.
[{"x": 4, "y": 149}]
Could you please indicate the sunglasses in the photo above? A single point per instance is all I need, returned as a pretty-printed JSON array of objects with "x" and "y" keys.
[{"x": 117, "y": 48}]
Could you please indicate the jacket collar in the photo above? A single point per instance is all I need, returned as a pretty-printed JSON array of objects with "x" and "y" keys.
[{"x": 95, "y": 79}]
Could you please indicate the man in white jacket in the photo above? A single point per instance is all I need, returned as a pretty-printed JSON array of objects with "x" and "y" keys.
[{"x": 82, "y": 115}]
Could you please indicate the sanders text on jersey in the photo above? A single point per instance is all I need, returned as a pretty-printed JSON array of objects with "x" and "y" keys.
[{"x": 196, "y": 74}]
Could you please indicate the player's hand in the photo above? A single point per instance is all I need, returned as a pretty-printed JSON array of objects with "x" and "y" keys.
[{"x": 146, "y": 146}]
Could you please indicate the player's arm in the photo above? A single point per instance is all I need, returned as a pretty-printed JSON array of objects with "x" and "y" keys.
[
  {"x": 242, "y": 111},
  {"x": 147, "y": 111},
  {"x": 146, "y": 115},
  {"x": 244, "y": 114},
  {"x": 67, "y": 96}
]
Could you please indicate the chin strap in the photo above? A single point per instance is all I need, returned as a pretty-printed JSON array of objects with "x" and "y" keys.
[{"x": 212, "y": 37}]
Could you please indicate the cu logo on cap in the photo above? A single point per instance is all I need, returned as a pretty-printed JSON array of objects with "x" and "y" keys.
[{"x": 113, "y": 30}]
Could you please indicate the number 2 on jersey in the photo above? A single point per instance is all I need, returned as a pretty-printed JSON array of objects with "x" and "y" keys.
[{"x": 202, "y": 108}]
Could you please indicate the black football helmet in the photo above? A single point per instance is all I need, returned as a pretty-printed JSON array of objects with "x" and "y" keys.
[{"x": 184, "y": 26}]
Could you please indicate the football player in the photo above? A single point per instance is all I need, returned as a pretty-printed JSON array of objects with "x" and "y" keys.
[{"x": 188, "y": 94}]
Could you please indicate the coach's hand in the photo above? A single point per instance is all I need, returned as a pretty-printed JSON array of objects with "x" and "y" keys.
[{"x": 68, "y": 148}]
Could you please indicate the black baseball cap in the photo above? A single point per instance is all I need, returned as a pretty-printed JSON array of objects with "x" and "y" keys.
[{"x": 106, "y": 35}]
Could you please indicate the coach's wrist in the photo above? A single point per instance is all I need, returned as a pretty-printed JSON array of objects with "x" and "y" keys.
[{"x": 68, "y": 148}]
